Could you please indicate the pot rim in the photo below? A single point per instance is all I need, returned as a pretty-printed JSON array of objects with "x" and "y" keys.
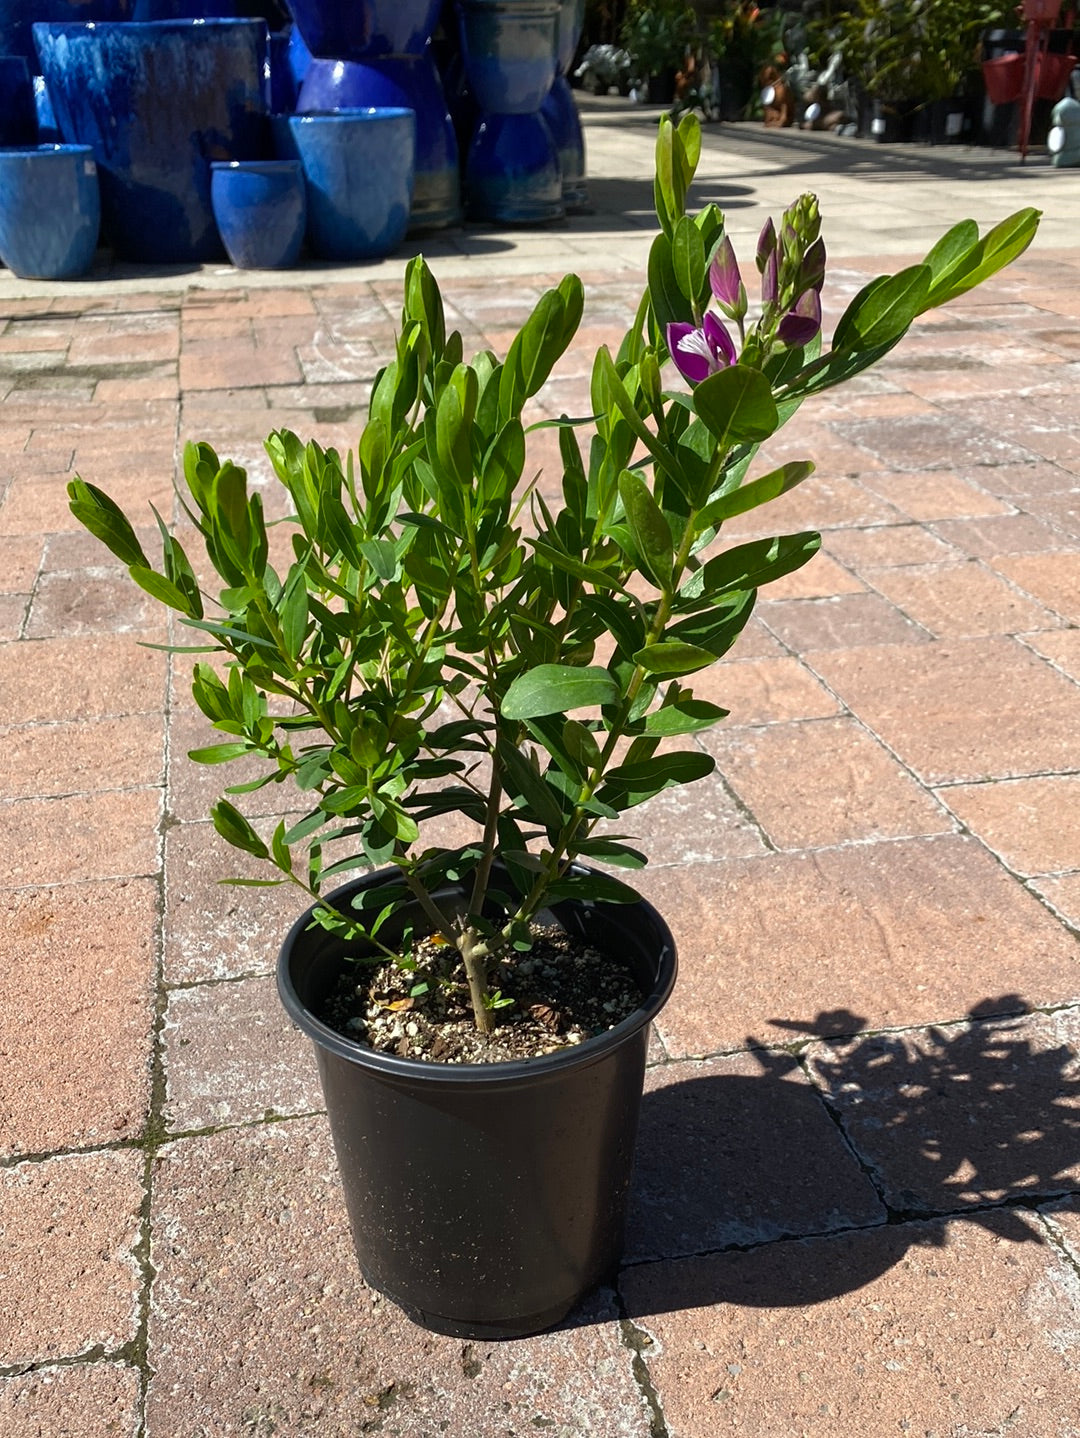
[
  {"x": 368, "y": 114},
  {"x": 136, "y": 28},
  {"x": 510, "y": 1072}
]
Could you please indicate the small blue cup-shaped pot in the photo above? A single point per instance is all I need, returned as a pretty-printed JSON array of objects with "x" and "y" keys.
[
  {"x": 49, "y": 211},
  {"x": 359, "y": 166},
  {"x": 261, "y": 211},
  {"x": 407, "y": 82}
]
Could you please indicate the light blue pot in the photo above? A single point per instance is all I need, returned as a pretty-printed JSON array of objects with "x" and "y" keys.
[
  {"x": 408, "y": 82},
  {"x": 49, "y": 211},
  {"x": 359, "y": 167},
  {"x": 261, "y": 211},
  {"x": 510, "y": 52}
]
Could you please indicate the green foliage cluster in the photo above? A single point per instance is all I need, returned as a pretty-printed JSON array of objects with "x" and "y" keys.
[
  {"x": 657, "y": 35},
  {"x": 915, "y": 49},
  {"x": 443, "y": 640}
]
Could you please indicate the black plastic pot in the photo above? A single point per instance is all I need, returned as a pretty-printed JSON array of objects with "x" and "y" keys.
[{"x": 486, "y": 1199}]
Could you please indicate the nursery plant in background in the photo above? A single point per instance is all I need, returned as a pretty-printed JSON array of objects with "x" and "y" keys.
[{"x": 441, "y": 640}]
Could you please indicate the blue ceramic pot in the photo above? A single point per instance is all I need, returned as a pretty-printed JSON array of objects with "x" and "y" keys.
[
  {"x": 49, "y": 211},
  {"x": 364, "y": 29},
  {"x": 17, "y": 17},
  {"x": 512, "y": 174},
  {"x": 358, "y": 166},
  {"x": 560, "y": 113},
  {"x": 158, "y": 102},
  {"x": 261, "y": 211},
  {"x": 404, "y": 82},
  {"x": 18, "y": 113},
  {"x": 144, "y": 11},
  {"x": 510, "y": 52}
]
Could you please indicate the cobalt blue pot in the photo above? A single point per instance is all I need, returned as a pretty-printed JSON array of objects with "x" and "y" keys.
[
  {"x": 358, "y": 166},
  {"x": 281, "y": 87},
  {"x": 300, "y": 58},
  {"x": 158, "y": 102},
  {"x": 49, "y": 211},
  {"x": 18, "y": 113},
  {"x": 512, "y": 174},
  {"x": 18, "y": 16},
  {"x": 407, "y": 82},
  {"x": 560, "y": 113},
  {"x": 261, "y": 211},
  {"x": 510, "y": 52},
  {"x": 364, "y": 29}
]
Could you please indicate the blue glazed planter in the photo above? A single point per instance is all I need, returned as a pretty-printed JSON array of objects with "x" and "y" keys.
[
  {"x": 261, "y": 211},
  {"x": 158, "y": 102},
  {"x": 364, "y": 29},
  {"x": 512, "y": 174},
  {"x": 403, "y": 82},
  {"x": 18, "y": 113},
  {"x": 560, "y": 113},
  {"x": 510, "y": 52},
  {"x": 18, "y": 16},
  {"x": 49, "y": 211},
  {"x": 358, "y": 166}
]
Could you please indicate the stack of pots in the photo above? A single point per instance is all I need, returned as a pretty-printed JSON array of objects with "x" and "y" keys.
[
  {"x": 376, "y": 55},
  {"x": 509, "y": 50}
]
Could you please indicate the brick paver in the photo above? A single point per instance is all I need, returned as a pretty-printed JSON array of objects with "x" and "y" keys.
[{"x": 856, "y": 1208}]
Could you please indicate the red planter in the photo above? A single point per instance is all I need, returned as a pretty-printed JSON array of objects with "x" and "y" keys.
[
  {"x": 1046, "y": 10},
  {"x": 1004, "y": 79}
]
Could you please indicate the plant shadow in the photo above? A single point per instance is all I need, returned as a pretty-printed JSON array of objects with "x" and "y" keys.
[{"x": 878, "y": 1139}]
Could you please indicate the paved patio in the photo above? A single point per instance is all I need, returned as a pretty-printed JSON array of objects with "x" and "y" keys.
[{"x": 856, "y": 1210}]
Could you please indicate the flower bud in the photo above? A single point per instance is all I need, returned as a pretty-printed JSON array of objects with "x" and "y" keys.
[
  {"x": 801, "y": 324},
  {"x": 770, "y": 278},
  {"x": 766, "y": 244},
  {"x": 812, "y": 276},
  {"x": 725, "y": 279}
]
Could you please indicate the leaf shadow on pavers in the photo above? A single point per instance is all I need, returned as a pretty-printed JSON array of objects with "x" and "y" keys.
[{"x": 974, "y": 1121}]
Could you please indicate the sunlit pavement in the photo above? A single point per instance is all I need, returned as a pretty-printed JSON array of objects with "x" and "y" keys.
[{"x": 855, "y": 1212}]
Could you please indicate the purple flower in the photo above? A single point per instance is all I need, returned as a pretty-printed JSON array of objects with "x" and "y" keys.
[
  {"x": 699, "y": 353},
  {"x": 801, "y": 324}
]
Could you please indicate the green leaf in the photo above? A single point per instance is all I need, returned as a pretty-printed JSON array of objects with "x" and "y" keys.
[
  {"x": 556, "y": 689},
  {"x": 632, "y": 784},
  {"x": 604, "y": 887},
  {"x": 106, "y": 521},
  {"x": 610, "y": 851},
  {"x": 581, "y": 744},
  {"x": 161, "y": 588},
  {"x": 524, "y": 782},
  {"x": 672, "y": 657},
  {"x": 883, "y": 310},
  {"x": 737, "y": 406},
  {"x": 280, "y": 849},
  {"x": 749, "y": 566},
  {"x": 219, "y": 753},
  {"x": 950, "y": 252},
  {"x": 235, "y": 829},
  {"x": 1003, "y": 244},
  {"x": 685, "y": 716},
  {"x": 649, "y": 528},
  {"x": 670, "y": 305},
  {"x": 757, "y": 491},
  {"x": 688, "y": 258}
]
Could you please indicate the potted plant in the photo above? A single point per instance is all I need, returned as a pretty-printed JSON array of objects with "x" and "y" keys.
[
  {"x": 657, "y": 35},
  {"x": 439, "y": 640}
]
